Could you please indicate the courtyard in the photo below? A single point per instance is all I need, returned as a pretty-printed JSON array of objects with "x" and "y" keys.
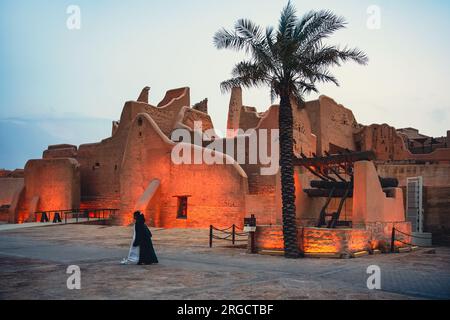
[{"x": 33, "y": 264}]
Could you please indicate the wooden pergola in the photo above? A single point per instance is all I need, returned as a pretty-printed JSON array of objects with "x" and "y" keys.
[{"x": 335, "y": 173}]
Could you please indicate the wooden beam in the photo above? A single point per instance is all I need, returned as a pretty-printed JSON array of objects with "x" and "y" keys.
[
  {"x": 335, "y": 159},
  {"x": 385, "y": 183},
  {"x": 323, "y": 193}
]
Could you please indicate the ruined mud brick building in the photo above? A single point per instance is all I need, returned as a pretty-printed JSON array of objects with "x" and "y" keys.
[{"x": 132, "y": 170}]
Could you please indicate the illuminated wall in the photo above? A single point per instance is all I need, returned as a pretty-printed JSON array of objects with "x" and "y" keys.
[{"x": 50, "y": 184}]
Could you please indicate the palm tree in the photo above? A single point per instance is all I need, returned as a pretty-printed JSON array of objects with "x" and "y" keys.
[{"x": 289, "y": 60}]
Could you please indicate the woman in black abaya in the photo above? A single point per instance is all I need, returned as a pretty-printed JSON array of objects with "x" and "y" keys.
[{"x": 143, "y": 240}]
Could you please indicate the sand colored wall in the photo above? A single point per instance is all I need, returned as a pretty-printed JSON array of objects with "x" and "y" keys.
[
  {"x": 101, "y": 162},
  {"x": 243, "y": 117},
  {"x": 60, "y": 151},
  {"x": 388, "y": 144},
  {"x": 434, "y": 175},
  {"x": 11, "y": 190},
  {"x": 176, "y": 97},
  {"x": 234, "y": 111},
  {"x": 332, "y": 123},
  {"x": 50, "y": 184},
  {"x": 118, "y": 171},
  {"x": 249, "y": 118},
  {"x": 439, "y": 155},
  {"x": 17, "y": 173},
  {"x": 370, "y": 203},
  {"x": 383, "y": 140},
  {"x": 264, "y": 207},
  {"x": 436, "y": 207},
  {"x": 201, "y": 106},
  {"x": 8, "y": 188},
  {"x": 436, "y": 194},
  {"x": 304, "y": 138},
  {"x": 264, "y": 199},
  {"x": 216, "y": 193},
  {"x": 100, "y": 168},
  {"x": 166, "y": 114},
  {"x": 190, "y": 116},
  {"x": 143, "y": 96}
]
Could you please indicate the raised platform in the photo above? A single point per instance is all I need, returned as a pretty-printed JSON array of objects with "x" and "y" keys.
[{"x": 373, "y": 236}]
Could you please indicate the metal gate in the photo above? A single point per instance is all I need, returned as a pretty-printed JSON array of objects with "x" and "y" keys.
[{"x": 414, "y": 208}]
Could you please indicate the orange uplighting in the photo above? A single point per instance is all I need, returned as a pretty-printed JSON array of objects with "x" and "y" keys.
[{"x": 315, "y": 240}]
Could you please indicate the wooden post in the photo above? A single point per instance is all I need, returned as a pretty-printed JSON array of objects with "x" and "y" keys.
[
  {"x": 393, "y": 240},
  {"x": 210, "y": 235},
  {"x": 233, "y": 237},
  {"x": 252, "y": 243}
]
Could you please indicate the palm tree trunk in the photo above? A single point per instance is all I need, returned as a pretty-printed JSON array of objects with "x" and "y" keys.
[{"x": 287, "y": 178}]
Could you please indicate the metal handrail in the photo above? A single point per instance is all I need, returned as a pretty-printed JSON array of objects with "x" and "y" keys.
[{"x": 99, "y": 214}]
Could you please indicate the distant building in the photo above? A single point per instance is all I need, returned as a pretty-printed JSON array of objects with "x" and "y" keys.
[{"x": 132, "y": 170}]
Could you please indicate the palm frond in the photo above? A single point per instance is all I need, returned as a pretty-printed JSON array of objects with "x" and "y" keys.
[
  {"x": 249, "y": 70},
  {"x": 224, "y": 39},
  {"x": 287, "y": 22},
  {"x": 324, "y": 76},
  {"x": 241, "y": 82},
  {"x": 353, "y": 54},
  {"x": 246, "y": 74},
  {"x": 293, "y": 58},
  {"x": 318, "y": 27},
  {"x": 248, "y": 30},
  {"x": 327, "y": 56}
]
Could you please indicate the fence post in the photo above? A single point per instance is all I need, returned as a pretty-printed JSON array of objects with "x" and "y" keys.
[
  {"x": 393, "y": 240},
  {"x": 210, "y": 235},
  {"x": 233, "y": 237}
]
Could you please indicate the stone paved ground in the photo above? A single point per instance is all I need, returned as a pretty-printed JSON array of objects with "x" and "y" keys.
[{"x": 33, "y": 265}]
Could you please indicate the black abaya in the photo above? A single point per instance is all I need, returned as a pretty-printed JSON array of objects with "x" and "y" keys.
[{"x": 143, "y": 239}]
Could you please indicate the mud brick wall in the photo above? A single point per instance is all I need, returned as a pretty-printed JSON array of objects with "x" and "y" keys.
[
  {"x": 437, "y": 213},
  {"x": 436, "y": 195}
]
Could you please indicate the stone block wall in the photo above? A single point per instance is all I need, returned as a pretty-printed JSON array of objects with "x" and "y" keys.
[{"x": 335, "y": 241}]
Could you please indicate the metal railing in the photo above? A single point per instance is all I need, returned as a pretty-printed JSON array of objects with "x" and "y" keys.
[
  {"x": 227, "y": 234},
  {"x": 80, "y": 215}
]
